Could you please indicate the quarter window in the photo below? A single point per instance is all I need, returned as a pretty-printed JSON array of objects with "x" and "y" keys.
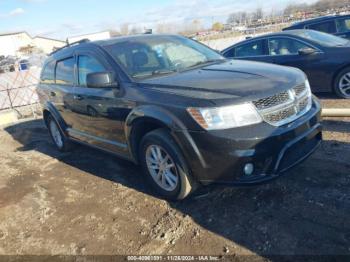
[
  {"x": 65, "y": 71},
  {"x": 327, "y": 27},
  {"x": 87, "y": 65},
  {"x": 285, "y": 46},
  {"x": 230, "y": 53},
  {"x": 255, "y": 48},
  {"x": 343, "y": 25}
]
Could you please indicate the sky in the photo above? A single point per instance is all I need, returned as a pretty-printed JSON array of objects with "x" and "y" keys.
[{"x": 63, "y": 18}]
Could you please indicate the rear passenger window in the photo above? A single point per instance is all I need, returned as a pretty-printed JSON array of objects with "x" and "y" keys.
[
  {"x": 327, "y": 27},
  {"x": 65, "y": 71},
  {"x": 48, "y": 73},
  {"x": 255, "y": 48},
  {"x": 343, "y": 25},
  {"x": 87, "y": 65}
]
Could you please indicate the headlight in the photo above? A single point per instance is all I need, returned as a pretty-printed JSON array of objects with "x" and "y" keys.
[
  {"x": 225, "y": 117},
  {"x": 308, "y": 87}
]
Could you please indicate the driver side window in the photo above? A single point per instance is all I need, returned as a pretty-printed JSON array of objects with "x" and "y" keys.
[
  {"x": 87, "y": 65},
  {"x": 285, "y": 46}
]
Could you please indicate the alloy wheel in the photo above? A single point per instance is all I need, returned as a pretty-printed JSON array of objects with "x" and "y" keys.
[
  {"x": 162, "y": 167},
  {"x": 344, "y": 85},
  {"x": 56, "y": 135}
]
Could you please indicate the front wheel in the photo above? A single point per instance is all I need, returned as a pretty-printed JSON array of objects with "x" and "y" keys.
[
  {"x": 342, "y": 84},
  {"x": 164, "y": 165}
]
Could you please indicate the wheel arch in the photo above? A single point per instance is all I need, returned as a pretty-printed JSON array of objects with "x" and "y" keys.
[
  {"x": 145, "y": 119},
  {"x": 154, "y": 117},
  {"x": 50, "y": 110}
]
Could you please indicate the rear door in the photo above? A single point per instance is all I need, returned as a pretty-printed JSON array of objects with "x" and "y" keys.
[
  {"x": 255, "y": 50},
  {"x": 62, "y": 90},
  {"x": 285, "y": 51}
]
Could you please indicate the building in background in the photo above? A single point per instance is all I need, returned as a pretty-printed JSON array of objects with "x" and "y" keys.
[
  {"x": 92, "y": 37},
  {"x": 13, "y": 44},
  {"x": 47, "y": 44}
]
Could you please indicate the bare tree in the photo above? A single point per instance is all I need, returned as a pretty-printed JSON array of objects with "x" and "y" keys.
[{"x": 258, "y": 14}]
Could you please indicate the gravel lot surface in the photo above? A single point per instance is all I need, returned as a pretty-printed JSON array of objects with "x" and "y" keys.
[{"x": 89, "y": 202}]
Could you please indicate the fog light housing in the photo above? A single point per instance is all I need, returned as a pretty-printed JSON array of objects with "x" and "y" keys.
[{"x": 248, "y": 169}]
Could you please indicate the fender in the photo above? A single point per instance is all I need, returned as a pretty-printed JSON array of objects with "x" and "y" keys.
[
  {"x": 178, "y": 130},
  {"x": 57, "y": 116},
  {"x": 156, "y": 113}
]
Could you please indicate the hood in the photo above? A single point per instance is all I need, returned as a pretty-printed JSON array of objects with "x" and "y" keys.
[{"x": 232, "y": 79}]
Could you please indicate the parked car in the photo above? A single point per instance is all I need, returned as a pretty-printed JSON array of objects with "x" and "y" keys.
[
  {"x": 7, "y": 64},
  {"x": 338, "y": 25},
  {"x": 179, "y": 109},
  {"x": 324, "y": 58}
]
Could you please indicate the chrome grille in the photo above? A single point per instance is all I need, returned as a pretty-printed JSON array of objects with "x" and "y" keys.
[
  {"x": 286, "y": 106},
  {"x": 271, "y": 101}
]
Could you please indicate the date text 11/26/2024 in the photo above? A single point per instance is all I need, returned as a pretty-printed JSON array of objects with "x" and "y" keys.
[{"x": 173, "y": 258}]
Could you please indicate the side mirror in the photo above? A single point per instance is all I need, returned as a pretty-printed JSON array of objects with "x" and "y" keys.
[
  {"x": 101, "y": 80},
  {"x": 307, "y": 51}
]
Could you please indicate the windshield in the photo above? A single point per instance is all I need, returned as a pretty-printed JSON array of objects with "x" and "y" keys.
[
  {"x": 148, "y": 56},
  {"x": 322, "y": 38}
]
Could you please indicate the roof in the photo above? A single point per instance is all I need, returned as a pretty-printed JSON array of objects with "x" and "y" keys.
[
  {"x": 94, "y": 33},
  {"x": 119, "y": 39},
  {"x": 48, "y": 38},
  {"x": 25, "y": 32},
  {"x": 86, "y": 43},
  {"x": 15, "y": 33},
  {"x": 286, "y": 33},
  {"x": 316, "y": 20}
]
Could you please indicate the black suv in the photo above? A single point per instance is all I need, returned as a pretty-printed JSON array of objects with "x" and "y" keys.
[
  {"x": 338, "y": 25},
  {"x": 183, "y": 112}
]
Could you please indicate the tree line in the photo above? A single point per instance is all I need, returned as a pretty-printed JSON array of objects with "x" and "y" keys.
[{"x": 319, "y": 6}]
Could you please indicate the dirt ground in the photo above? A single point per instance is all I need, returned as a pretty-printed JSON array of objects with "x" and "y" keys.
[{"x": 88, "y": 202}]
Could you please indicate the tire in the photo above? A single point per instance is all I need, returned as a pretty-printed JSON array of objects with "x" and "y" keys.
[
  {"x": 92, "y": 111},
  {"x": 171, "y": 189},
  {"x": 59, "y": 139},
  {"x": 342, "y": 84}
]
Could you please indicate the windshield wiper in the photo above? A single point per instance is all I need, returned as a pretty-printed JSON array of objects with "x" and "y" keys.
[
  {"x": 163, "y": 71},
  {"x": 155, "y": 73},
  {"x": 206, "y": 62}
]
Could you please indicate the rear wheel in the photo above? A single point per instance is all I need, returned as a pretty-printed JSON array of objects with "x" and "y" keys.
[
  {"x": 342, "y": 84},
  {"x": 59, "y": 139},
  {"x": 164, "y": 165}
]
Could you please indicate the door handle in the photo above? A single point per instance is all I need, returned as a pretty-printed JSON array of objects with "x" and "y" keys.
[
  {"x": 77, "y": 97},
  {"x": 52, "y": 94}
]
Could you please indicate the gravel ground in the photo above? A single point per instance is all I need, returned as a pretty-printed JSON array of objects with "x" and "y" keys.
[{"x": 88, "y": 202}]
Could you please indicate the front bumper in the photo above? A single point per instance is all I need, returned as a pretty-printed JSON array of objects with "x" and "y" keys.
[{"x": 220, "y": 156}]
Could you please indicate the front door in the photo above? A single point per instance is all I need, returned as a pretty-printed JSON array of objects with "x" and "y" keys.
[
  {"x": 285, "y": 51},
  {"x": 98, "y": 118}
]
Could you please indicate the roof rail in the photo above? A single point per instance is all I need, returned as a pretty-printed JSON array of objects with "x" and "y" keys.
[{"x": 85, "y": 40}]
